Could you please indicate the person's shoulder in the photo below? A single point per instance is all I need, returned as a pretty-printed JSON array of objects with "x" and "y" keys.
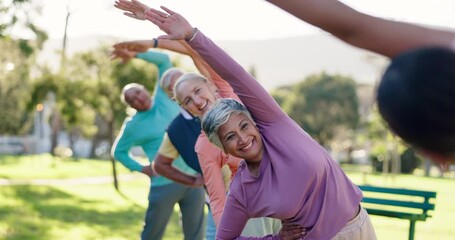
[
  {"x": 207, "y": 151},
  {"x": 241, "y": 168},
  {"x": 176, "y": 122},
  {"x": 202, "y": 139},
  {"x": 128, "y": 121}
]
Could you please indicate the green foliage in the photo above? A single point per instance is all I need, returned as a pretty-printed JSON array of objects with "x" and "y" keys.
[
  {"x": 87, "y": 92},
  {"x": 16, "y": 62},
  {"x": 137, "y": 71},
  {"x": 14, "y": 87},
  {"x": 47, "y": 82},
  {"x": 25, "y": 48},
  {"x": 281, "y": 95},
  {"x": 321, "y": 104},
  {"x": 382, "y": 142},
  {"x": 376, "y": 126}
]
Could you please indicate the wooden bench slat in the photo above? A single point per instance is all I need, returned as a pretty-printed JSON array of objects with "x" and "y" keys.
[
  {"x": 394, "y": 198},
  {"x": 399, "y": 203},
  {"x": 401, "y": 191},
  {"x": 401, "y": 215}
]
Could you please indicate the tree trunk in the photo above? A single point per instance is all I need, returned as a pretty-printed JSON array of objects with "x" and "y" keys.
[
  {"x": 55, "y": 125},
  {"x": 74, "y": 135},
  {"x": 111, "y": 143},
  {"x": 95, "y": 141}
]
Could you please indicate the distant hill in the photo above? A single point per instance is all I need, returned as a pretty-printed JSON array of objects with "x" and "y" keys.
[{"x": 276, "y": 62}]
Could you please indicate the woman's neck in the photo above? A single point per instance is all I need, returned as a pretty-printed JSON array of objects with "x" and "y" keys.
[{"x": 253, "y": 167}]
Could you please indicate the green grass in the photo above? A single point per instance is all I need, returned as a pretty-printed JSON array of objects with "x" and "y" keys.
[
  {"x": 94, "y": 211},
  {"x": 44, "y": 166},
  {"x": 97, "y": 211}
]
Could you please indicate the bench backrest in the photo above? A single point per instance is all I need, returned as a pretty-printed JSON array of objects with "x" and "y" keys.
[{"x": 398, "y": 197}]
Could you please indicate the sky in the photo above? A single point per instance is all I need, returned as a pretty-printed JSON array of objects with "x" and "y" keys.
[{"x": 224, "y": 19}]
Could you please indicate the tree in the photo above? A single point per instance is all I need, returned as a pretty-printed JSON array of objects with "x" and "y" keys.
[
  {"x": 16, "y": 62},
  {"x": 322, "y": 104},
  {"x": 71, "y": 103},
  {"x": 15, "y": 84}
]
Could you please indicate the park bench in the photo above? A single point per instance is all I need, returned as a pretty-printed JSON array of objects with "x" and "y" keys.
[{"x": 412, "y": 205}]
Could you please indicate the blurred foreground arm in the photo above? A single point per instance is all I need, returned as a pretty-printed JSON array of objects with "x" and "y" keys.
[{"x": 382, "y": 36}]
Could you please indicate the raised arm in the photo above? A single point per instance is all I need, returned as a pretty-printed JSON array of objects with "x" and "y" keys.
[
  {"x": 133, "y": 8},
  {"x": 261, "y": 105},
  {"x": 163, "y": 63},
  {"x": 204, "y": 68},
  {"x": 144, "y": 45},
  {"x": 382, "y": 36},
  {"x": 176, "y": 46},
  {"x": 127, "y": 49}
]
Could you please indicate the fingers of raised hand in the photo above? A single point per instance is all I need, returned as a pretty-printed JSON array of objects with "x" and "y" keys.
[
  {"x": 154, "y": 18},
  {"x": 169, "y": 11},
  {"x": 122, "y": 5},
  {"x": 156, "y": 14}
]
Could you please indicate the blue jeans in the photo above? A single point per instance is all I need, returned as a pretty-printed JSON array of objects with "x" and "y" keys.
[
  {"x": 210, "y": 231},
  {"x": 161, "y": 205}
]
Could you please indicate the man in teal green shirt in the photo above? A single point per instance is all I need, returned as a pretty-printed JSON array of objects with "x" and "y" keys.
[{"x": 146, "y": 129}]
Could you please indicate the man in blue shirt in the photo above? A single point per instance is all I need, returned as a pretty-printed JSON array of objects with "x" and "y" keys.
[{"x": 146, "y": 129}]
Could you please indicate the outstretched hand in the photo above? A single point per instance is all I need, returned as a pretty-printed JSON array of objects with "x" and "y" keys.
[
  {"x": 135, "y": 45},
  {"x": 123, "y": 53},
  {"x": 173, "y": 24},
  {"x": 133, "y": 8}
]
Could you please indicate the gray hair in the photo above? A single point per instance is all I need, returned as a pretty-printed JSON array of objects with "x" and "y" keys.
[
  {"x": 167, "y": 77},
  {"x": 186, "y": 77},
  {"x": 128, "y": 87},
  {"x": 218, "y": 115}
]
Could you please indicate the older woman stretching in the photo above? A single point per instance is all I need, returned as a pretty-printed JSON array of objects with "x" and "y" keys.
[
  {"x": 286, "y": 174},
  {"x": 196, "y": 94}
]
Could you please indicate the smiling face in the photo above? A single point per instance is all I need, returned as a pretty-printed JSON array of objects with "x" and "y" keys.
[
  {"x": 240, "y": 138},
  {"x": 138, "y": 98},
  {"x": 195, "y": 95}
]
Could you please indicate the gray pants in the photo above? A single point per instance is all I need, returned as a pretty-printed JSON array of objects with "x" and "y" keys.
[
  {"x": 359, "y": 228},
  {"x": 161, "y": 205}
]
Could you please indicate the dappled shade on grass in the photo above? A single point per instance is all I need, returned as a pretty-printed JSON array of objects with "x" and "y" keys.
[{"x": 38, "y": 212}]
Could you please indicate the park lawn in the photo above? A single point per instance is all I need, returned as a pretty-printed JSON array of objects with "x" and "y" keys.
[
  {"x": 44, "y": 166},
  {"x": 94, "y": 211},
  {"x": 72, "y": 211},
  {"x": 97, "y": 211}
]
